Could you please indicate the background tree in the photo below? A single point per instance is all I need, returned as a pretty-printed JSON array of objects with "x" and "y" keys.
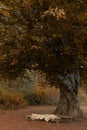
[{"x": 49, "y": 36}]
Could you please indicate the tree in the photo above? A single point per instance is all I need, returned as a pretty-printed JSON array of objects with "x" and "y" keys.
[{"x": 49, "y": 36}]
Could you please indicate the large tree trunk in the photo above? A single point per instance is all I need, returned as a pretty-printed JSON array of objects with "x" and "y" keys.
[{"x": 68, "y": 103}]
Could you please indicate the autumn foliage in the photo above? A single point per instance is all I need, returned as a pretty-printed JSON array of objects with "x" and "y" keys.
[{"x": 49, "y": 36}]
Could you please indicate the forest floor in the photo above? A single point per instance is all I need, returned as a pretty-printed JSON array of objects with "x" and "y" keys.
[{"x": 16, "y": 120}]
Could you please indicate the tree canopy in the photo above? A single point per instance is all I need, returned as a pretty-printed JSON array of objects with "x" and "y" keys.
[{"x": 45, "y": 35}]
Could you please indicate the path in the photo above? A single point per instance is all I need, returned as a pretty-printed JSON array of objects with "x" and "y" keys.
[{"x": 15, "y": 120}]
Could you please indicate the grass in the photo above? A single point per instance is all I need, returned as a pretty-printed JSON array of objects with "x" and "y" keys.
[{"x": 11, "y": 98}]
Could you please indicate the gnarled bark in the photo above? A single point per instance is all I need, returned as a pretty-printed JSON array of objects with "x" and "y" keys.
[{"x": 68, "y": 103}]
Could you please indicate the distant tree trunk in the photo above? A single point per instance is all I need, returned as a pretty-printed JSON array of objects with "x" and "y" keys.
[{"x": 68, "y": 103}]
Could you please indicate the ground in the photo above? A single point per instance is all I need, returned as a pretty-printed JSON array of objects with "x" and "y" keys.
[{"x": 16, "y": 120}]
